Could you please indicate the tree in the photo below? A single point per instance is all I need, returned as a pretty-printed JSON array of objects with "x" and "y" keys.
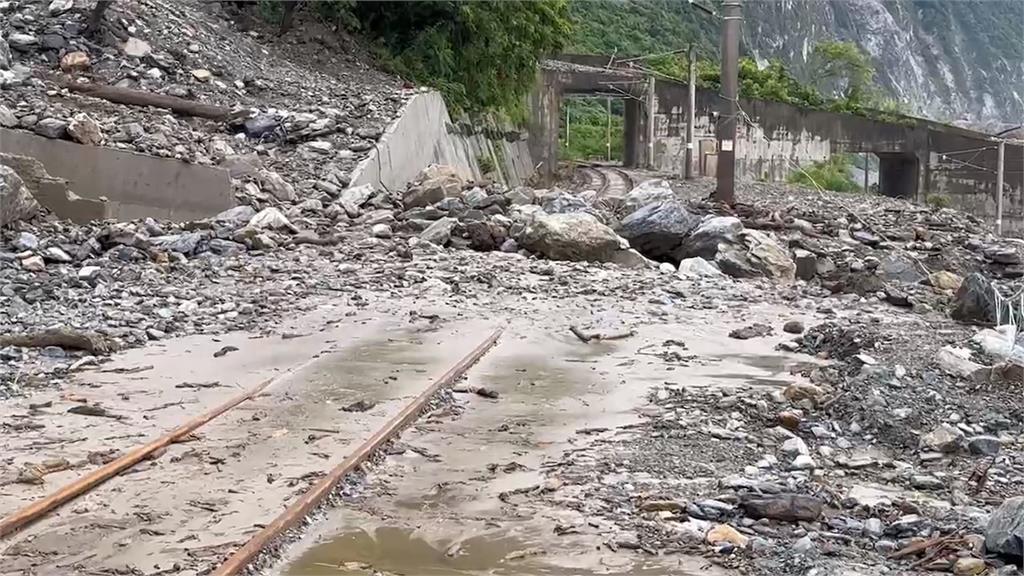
[
  {"x": 481, "y": 55},
  {"x": 844, "y": 70}
]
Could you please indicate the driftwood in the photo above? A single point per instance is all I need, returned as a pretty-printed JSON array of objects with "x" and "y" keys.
[
  {"x": 584, "y": 337},
  {"x": 133, "y": 97},
  {"x": 63, "y": 337}
]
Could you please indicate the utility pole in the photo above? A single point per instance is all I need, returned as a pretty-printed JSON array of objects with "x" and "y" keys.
[
  {"x": 731, "y": 18},
  {"x": 691, "y": 114},
  {"x": 650, "y": 121},
  {"x": 999, "y": 187},
  {"x": 608, "y": 135}
]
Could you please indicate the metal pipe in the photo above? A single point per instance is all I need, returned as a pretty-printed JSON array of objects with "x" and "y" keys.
[{"x": 732, "y": 16}]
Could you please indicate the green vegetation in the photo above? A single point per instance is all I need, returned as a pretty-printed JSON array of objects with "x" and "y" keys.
[
  {"x": 588, "y": 130},
  {"x": 485, "y": 163},
  {"x": 832, "y": 174},
  {"x": 481, "y": 55},
  {"x": 939, "y": 201}
]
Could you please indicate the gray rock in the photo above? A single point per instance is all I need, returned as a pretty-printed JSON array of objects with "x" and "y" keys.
[
  {"x": 135, "y": 48},
  {"x": 510, "y": 246},
  {"x": 58, "y": 7},
  {"x": 648, "y": 192},
  {"x": 658, "y": 230},
  {"x": 181, "y": 243},
  {"x": 793, "y": 327},
  {"x": 84, "y": 130},
  {"x": 381, "y": 231},
  {"x": 22, "y": 42},
  {"x": 926, "y": 482},
  {"x": 803, "y": 546},
  {"x": 520, "y": 196},
  {"x": 474, "y": 196},
  {"x": 984, "y": 445},
  {"x": 803, "y": 462},
  {"x": 54, "y": 42},
  {"x": 944, "y": 438},
  {"x": 223, "y": 247},
  {"x": 277, "y": 186},
  {"x": 25, "y": 241},
  {"x": 806, "y": 264},
  {"x": 51, "y": 128},
  {"x": 260, "y": 125},
  {"x": 5, "y": 54},
  {"x": 440, "y": 231},
  {"x": 55, "y": 254},
  {"x": 7, "y": 118},
  {"x": 435, "y": 183},
  {"x": 1005, "y": 531},
  {"x": 768, "y": 256},
  {"x": 576, "y": 236},
  {"x": 633, "y": 259},
  {"x": 698, "y": 268},
  {"x": 237, "y": 215},
  {"x": 784, "y": 507},
  {"x": 564, "y": 203},
  {"x": 974, "y": 300},
  {"x": 352, "y": 199},
  {"x": 485, "y": 236},
  {"x": 705, "y": 240},
  {"x": 33, "y": 264},
  {"x": 873, "y": 528},
  {"x": 900, "y": 268},
  {"x": 16, "y": 202},
  {"x": 89, "y": 273}
]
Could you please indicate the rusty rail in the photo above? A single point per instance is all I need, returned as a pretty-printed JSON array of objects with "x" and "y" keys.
[
  {"x": 308, "y": 501},
  {"x": 39, "y": 508}
]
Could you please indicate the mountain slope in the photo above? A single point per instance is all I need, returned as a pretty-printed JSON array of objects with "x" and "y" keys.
[{"x": 952, "y": 60}]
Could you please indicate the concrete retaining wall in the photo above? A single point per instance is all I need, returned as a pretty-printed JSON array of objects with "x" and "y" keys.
[
  {"x": 424, "y": 134},
  {"x": 134, "y": 185}
]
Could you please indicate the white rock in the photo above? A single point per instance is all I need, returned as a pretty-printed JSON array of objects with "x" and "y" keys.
[
  {"x": 58, "y": 7},
  {"x": 698, "y": 268},
  {"x": 803, "y": 462},
  {"x": 270, "y": 218},
  {"x": 794, "y": 446},
  {"x": 135, "y": 48}
]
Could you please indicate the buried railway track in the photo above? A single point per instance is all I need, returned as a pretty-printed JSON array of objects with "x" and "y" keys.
[
  {"x": 605, "y": 180},
  {"x": 276, "y": 531}
]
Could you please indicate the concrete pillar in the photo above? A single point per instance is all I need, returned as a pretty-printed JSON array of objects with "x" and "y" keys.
[
  {"x": 632, "y": 133},
  {"x": 898, "y": 175},
  {"x": 545, "y": 108}
]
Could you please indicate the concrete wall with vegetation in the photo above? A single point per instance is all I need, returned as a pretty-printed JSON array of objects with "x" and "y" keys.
[{"x": 425, "y": 134}]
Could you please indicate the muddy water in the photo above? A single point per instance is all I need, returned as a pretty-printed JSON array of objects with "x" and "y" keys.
[{"x": 442, "y": 514}]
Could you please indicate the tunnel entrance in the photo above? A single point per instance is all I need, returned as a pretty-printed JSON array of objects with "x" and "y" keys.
[
  {"x": 898, "y": 175},
  {"x": 592, "y": 128}
]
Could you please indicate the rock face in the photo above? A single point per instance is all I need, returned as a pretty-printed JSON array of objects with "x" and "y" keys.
[
  {"x": 575, "y": 236},
  {"x": 16, "y": 202},
  {"x": 657, "y": 230},
  {"x": 1005, "y": 531}
]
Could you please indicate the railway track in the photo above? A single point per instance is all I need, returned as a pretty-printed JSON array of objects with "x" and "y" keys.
[
  {"x": 297, "y": 510},
  {"x": 606, "y": 180}
]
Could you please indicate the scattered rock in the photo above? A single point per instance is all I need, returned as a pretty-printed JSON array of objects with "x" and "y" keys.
[
  {"x": 1005, "y": 531},
  {"x": 698, "y": 268},
  {"x": 135, "y": 48},
  {"x": 752, "y": 331},
  {"x": 51, "y": 128},
  {"x": 277, "y": 186},
  {"x": 784, "y": 507},
  {"x": 944, "y": 280},
  {"x": 793, "y": 327},
  {"x": 84, "y": 130},
  {"x": 439, "y": 232},
  {"x": 75, "y": 62},
  {"x": 723, "y": 533},
  {"x": 944, "y": 438},
  {"x": 984, "y": 445},
  {"x": 658, "y": 230}
]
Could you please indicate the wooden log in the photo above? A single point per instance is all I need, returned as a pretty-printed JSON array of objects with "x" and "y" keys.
[{"x": 133, "y": 97}]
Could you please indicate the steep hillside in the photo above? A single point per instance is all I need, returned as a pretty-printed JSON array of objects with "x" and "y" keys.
[{"x": 960, "y": 61}]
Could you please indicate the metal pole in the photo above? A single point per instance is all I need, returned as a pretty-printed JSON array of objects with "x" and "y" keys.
[
  {"x": 566, "y": 125},
  {"x": 731, "y": 18},
  {"x": 691, "y": 114},
  {"x": 999, "y": 188},
  {"x": 650, "y": 122},
  {"x": 608, "y": 136},
  {"x": 866, "y": 166}
]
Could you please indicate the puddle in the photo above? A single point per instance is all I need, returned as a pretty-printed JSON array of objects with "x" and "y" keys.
[
  {"x": 390, "y": 550},
  {"x": 393, "y": 550}
]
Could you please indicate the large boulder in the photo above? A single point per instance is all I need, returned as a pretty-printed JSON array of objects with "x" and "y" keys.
[
  {"x": 16, "y": 202},
  {"x": 768, "y": 256},
  {"x": 901, "y": 268},
  {"x": 709, "y": 235},
  {"x": 1005, "y": 531},
  {"x": 649, "y": 192},
  {"x": 274, "y": 183},
  {"x": 435, "y": 183},
  {"x": 975, "y": 300},
  {"x": 576, "y": 236},
  {"x": 658, "y": 230}
]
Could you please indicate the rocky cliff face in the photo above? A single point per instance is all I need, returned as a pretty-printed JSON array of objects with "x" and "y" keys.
[{"x": 960, "y": 61}]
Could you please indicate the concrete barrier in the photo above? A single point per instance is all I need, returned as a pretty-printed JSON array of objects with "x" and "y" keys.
[
  {"x": 424, "y": 134},
  {"x": 134, "y": 185}
]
